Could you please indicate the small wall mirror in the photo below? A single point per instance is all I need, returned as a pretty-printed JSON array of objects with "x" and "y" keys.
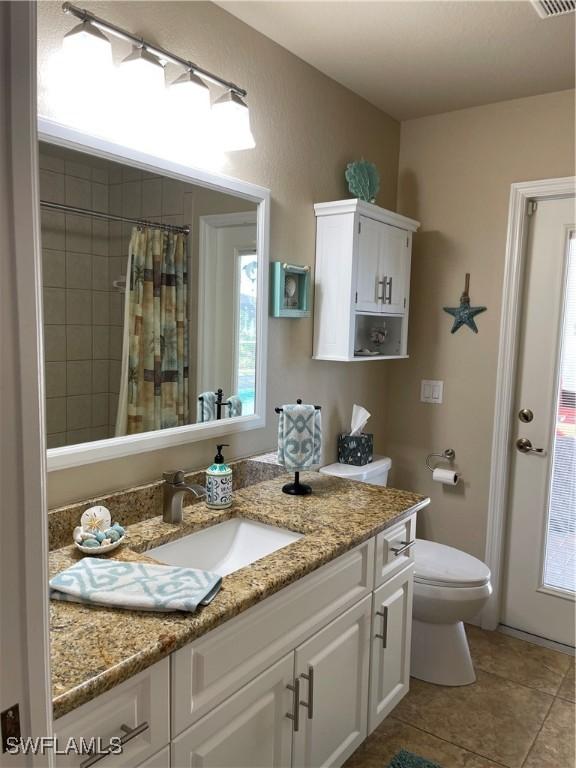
[{"x": 155, "y": 302}]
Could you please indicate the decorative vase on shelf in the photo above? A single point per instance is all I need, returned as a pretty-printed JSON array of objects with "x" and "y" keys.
[{"x": 363, "y": 180}]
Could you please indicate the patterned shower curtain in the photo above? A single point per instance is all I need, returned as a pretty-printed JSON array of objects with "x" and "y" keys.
[{"x": 155, "y": 371}]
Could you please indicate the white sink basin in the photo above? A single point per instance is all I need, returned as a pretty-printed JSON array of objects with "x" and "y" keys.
[{"x": 226, "y": 547}]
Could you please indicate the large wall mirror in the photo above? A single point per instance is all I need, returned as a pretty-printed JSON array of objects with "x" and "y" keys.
[{"x": 155, "y": 300}]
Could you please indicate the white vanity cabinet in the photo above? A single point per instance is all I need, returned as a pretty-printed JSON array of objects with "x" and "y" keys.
[
  {"x": 362, "y": 281},
  {"x": 298, "y": 680},
  {"x": 390, "y": 652}
]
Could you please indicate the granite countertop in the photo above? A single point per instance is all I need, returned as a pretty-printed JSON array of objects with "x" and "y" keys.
[{"x": 95, "y": 648}]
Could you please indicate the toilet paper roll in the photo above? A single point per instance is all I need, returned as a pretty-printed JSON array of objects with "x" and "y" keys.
[{"x": 445, "y": 476}]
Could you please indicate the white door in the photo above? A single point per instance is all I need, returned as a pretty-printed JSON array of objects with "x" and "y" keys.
[
  {"x": 370, "y": 245},
  {"x": 249, "y": 730},
  {"x": 332, "y": 670},
  {"x": 541, "y": 570},
  {"x": 391, "y": 634},
  {"x": 394, "y": 269}
]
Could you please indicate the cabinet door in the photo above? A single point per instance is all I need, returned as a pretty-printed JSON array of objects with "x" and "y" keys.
[
  {"x": 370, "y": 244},
  {"x": 332, "y": 669},
  {"x": 394, "y": 269},
  {"x": 391, "y": 633},
  {"x": 249, "y": 730}
]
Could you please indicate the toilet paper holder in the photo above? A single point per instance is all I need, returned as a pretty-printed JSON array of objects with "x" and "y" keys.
[{"x": 449, "y": 455}]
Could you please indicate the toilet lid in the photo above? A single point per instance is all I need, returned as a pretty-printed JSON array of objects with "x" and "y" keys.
[{"x": 440, "y": 565}]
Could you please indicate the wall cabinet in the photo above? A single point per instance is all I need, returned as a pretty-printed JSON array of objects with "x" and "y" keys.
[
  {"x": 362, "y": 281},
  {"x": 298, "y": 680}
]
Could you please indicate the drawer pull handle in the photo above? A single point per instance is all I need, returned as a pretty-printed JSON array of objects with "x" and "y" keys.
[
  {"x": 129, "y": 734},
  {"x": 310, "y": 703},
  {"x": 384, "y": 635},
  {"x": 295, "y": 714},
  {"x": 404, "y": 548}
]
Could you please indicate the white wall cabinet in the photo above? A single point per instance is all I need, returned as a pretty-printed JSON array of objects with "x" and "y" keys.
[
  {"x": 262, "y": 692},
  {"x": 362, "y": 281}
]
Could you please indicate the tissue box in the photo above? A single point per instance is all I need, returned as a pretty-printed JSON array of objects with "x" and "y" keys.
[{"x": 355, "y": 449}]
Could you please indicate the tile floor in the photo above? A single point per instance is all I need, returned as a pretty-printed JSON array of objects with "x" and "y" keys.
[{"x": 518, "y": 714}]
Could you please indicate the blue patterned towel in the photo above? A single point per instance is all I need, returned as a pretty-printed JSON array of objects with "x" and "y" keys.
[
  {"x": 206, "y": 407},
  {"x": 139, "y": 586},
  {"x": 299, "y": 437},
  {"x": 234, "y": 406}
]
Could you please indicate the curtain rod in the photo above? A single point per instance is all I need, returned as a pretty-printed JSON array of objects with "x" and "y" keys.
[
  {"x": 162, "y": 53},
  {"x": 185, "y": 229}
]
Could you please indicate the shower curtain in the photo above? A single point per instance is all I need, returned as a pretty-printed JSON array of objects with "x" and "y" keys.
[{"x": 154, "y": 381}]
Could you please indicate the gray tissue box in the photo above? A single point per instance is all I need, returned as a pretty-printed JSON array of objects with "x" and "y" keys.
[{"x": 355, "y": 449}]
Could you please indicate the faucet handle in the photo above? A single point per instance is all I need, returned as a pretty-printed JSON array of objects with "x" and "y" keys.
[{"x": 173, "y": 476}]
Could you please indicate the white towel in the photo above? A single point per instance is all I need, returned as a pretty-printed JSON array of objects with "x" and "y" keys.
[
  {"x": 206, "y": 407},
  {"x": 299, "y": 437},
  {"x": 139, "y": 586}
]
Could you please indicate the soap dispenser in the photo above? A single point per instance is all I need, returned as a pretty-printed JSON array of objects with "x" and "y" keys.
[{"x": 219, "y": 482}]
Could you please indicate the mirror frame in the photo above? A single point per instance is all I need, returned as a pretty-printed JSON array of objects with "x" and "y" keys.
[{"x": 52, "y": 132}]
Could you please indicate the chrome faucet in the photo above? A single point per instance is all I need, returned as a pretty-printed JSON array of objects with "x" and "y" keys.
[{"x": 174, "y": 490}]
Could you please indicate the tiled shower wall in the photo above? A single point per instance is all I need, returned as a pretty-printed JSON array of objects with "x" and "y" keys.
[
  {"x": 82, "y": 312},
  {"x": 82, "y": 257}
]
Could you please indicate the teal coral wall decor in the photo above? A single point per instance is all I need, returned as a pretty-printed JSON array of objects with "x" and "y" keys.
[
  {"x": 363, "y": 180},
  {"x": 464, "y": 314}
]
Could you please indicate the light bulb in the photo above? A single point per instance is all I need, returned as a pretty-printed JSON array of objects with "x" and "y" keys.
[
  {"x": 87, "y": 47},
  {"x": 190, "y": 95},
  {"x": 231, "y": 120},
  {"x": 142, "y": 71}
]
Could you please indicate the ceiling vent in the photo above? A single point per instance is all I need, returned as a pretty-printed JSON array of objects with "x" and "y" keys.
[{"x": 548, "y": 8}]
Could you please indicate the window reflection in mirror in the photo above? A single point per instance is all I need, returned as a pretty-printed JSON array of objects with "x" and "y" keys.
[{"x": 146, "y": 326}]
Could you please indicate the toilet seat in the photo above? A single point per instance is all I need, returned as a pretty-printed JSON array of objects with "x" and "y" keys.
[{"x": 442, "y": 566}]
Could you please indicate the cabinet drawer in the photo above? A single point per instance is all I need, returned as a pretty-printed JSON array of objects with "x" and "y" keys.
[
  {"x": 142, "y": 703},
  {"x": 213, "y": 667},
  {"x": 159, "y": 760},
  {"x": 392, "y": 549}
]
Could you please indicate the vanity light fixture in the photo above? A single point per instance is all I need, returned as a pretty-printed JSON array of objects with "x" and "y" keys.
[
  {"x": 232, "y": 122},
  {"x": 143, "y": 70},
  {"x": 88, "y": 42},
  {"x": 230, "y": 117},
  {"x": 192, "y": 93}
]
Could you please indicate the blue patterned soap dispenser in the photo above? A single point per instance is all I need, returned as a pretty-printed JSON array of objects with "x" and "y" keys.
[{"x": 219, "y": 482}]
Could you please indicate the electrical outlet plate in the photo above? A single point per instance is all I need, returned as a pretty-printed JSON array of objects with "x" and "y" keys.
[{"x": 431, "y": 391}]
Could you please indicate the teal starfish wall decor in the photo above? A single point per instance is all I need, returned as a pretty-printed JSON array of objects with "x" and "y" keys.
[{"x": 464, "y": 314}]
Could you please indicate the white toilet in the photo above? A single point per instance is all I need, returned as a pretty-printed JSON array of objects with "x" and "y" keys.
[{"x": 450, "y": 587}]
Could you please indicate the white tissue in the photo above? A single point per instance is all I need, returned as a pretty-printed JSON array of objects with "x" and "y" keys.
[
  {"x": 359, "y": 418},
  {"x": 445, "y": 476}
]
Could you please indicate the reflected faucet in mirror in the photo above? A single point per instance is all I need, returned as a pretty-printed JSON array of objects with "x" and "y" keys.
[{"x": 173, "y": 498}]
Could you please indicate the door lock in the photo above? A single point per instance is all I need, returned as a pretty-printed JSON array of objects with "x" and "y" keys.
[
  {"x": 525, "y": 446},
  {"x": 525, "y": 415}
]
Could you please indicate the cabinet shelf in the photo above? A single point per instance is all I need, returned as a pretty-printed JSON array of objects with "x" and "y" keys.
[{"x": 362, "y": 281}]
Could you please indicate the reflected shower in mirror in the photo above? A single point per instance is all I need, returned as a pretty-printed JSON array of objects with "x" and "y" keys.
[{"x": 150, "y": 299}]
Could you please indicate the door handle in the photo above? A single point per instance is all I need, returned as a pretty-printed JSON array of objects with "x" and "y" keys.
[
  {"x": 384, "y": 635},
  {"x": 295, "y": 714},
  {"x": 406, "y": 545},
  {"x": 381, "y": 296},
  {"x": 525, "y": 446},
  {"x": 129, "y": 734},
  {"x": 310, "y": 703},
  {"x": 389, "y": 299}
]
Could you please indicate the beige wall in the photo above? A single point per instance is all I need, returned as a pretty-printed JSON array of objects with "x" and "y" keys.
[
  {"x": 307, "y": 127},
  {"x": 455, "y": 175}
]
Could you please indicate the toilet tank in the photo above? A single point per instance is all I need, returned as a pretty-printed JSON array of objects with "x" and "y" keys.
[{"x": 375, "y": 473}]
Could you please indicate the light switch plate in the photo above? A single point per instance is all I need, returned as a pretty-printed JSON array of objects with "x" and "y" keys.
[{"x": 431, "y": 391}]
